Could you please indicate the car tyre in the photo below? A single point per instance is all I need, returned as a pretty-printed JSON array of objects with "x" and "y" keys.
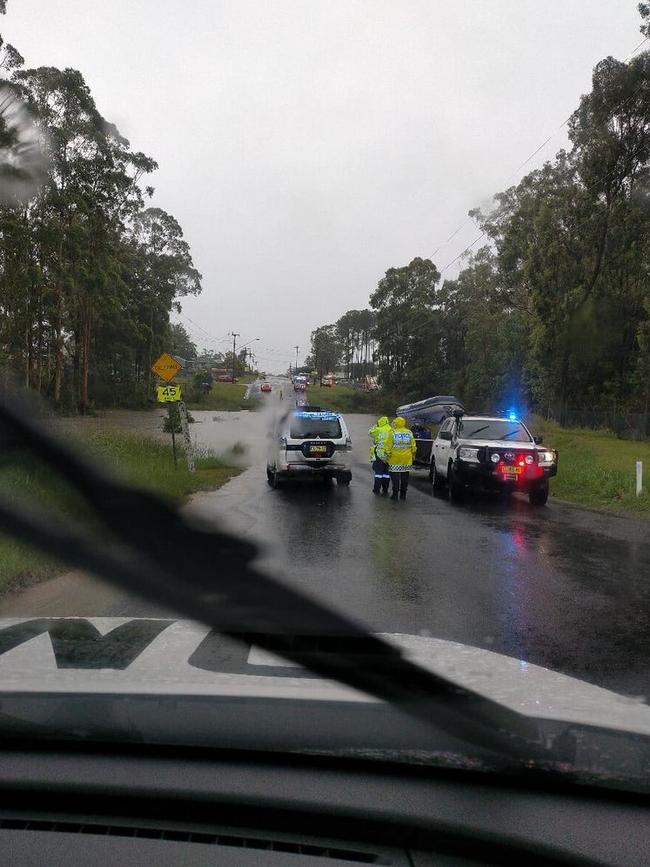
[
  {"x": 538, "y": 495},
  {"x": 274, "y": 479},
  {"x": 456, "y": 489},
  {"x": 344, "y": 479},
  {"x": 437, "y": 481}
]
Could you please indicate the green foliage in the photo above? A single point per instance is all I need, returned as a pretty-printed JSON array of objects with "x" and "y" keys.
[
  {"x": 342, "y": 398},
  {"x": 173, "y": 419},
  {"x": 180, "y": 343},
  {"x": 554, "y": 312},
  {"x": 598, "y": 469},
  {"x": 89, "y": 273},
  {"x": 225, "y": 396},
  {"x": 140, "y": 461},
  {"x": 325, "y": 349},
  {"x": 355, "y": 331}
]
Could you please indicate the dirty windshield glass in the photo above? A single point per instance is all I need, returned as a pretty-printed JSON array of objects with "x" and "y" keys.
[{"x": 251, "y": 255}]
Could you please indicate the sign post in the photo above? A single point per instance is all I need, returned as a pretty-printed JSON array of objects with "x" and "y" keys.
[
  {"x": 166, "y": 367},
  {"x": 639, "y": 478}
]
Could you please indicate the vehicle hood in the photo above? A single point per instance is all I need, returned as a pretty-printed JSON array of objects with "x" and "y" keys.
[
  {"x": 498, "y": 444},
  {"x": 160, "y": 657}
]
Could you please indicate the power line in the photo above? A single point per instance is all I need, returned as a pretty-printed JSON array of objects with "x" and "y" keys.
[{"x": 526, "y": 161}]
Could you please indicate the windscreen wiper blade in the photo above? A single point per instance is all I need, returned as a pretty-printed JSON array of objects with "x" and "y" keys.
[{"x": 148, "y": 548}]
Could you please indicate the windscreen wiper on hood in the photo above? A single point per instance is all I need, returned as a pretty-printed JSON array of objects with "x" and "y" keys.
[{"x": 143, "y": 544}]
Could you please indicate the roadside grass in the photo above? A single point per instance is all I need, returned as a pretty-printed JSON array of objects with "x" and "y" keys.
[
  {"x": 597, "y": 469},
  {"x": 140, "y": 461},
  {"x": 344, "y": 398},
  {"x": 224, "y": 396}
]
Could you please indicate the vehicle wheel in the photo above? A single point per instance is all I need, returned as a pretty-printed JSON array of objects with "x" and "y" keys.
[
  {"x": 269, "y": 475},
  {"x": 344, "y": 480},
  {"x": 539, "y": 495},
  {"x": 437, "y": 481},
  {"x": 456, "y": 489},
  {"x": 274, "y": 480}
]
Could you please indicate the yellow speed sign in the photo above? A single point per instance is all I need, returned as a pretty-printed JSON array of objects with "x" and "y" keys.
[{"x": 167, "y": 393}]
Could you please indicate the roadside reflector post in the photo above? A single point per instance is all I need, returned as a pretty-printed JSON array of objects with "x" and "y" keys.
[
  {"x": 185, "y": 427},
  {"x": 639, "y": 478}
]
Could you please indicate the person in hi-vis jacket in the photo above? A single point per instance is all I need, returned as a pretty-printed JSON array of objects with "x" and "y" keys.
[
  {"x": 380, "y": 433},
  {"x": 400, "y": 451}
]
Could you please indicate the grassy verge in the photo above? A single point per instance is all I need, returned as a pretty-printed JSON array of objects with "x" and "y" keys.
[
  {"x": 226, "y": 396},
  {"x": 344, "y": 398},
  {"x": 141, "y": 461},
  {"x": 597, "y": 469}
]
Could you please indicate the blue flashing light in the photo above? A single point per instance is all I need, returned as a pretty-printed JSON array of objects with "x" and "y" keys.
[
  {"x": 512, "y": 415},
  {"x": 325, "y": 416}
]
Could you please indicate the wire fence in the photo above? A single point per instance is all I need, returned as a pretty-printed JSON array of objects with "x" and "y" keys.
[{"x": 626, "y": 425}]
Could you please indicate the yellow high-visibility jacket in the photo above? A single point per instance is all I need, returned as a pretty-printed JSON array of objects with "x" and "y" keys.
[
  {"x": 380, "y": 434},
  {"x": 400, "y": 448}
]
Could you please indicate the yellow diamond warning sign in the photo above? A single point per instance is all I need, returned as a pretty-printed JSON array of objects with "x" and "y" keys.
[{"x": 166, "y": 367}]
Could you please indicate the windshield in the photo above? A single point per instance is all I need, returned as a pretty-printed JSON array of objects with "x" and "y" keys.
[
  {"x": 306, "y": 427},
  {"x": 231, "y": 233},
  {"x": 493, "y": 430}
]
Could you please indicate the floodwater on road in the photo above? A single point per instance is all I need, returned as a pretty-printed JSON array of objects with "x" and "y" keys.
[{"x": 558, "y": 586}]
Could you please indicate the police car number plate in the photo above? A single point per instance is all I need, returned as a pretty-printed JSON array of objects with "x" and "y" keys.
[
  {"x": 512, "y": 471},
  {"x": 317, "y": 450}
]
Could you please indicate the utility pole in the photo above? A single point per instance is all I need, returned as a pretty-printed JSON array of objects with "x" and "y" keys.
[
  {"x": 296, "y": 348},
  {"x": 234, "y": 335}
]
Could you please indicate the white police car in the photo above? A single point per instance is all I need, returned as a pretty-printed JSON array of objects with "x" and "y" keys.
[
  {"x": 309, "y": 442},
  {"x": 497, "y": 453}
]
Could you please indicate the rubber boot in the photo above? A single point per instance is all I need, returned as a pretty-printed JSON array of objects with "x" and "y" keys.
[
  {"x": 394, "y": 495},
  {"x": 402, "y": 495}
]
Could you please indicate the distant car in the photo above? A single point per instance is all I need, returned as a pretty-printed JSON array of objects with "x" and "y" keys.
[
  {"x": 226, "y": 377},
  {"x": 310, "y": 442},
  {"x": 266, "y": 387},
  {"x": 497, "y": 453}
]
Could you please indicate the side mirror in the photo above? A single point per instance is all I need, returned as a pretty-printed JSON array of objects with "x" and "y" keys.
[
  {"x": 538, "y": 440},
  {"x": 445, "y": 435}
]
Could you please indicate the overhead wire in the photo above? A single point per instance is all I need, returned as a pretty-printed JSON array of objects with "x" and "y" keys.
[
  {"x": 531, "y": 156},
  {"x": 484, "y": 233}
]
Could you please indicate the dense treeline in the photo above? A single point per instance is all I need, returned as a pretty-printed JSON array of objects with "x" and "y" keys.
[
  {"x": 553, "y": 311},
  {"x": 89, "y": 272},
  {"x": 349, "y": 342}
]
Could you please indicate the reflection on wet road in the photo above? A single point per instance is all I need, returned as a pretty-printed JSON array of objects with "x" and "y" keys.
[
  {"x": 558, "y": 586},
  {"x": 561, "y": 587}
]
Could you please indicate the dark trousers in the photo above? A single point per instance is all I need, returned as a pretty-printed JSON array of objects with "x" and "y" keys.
[
  {"x": 400, "y": 483},
  {"x": 382, "y": 478}
]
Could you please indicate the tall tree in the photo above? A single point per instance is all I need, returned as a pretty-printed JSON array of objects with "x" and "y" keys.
[{"x": 325, "y": 349}]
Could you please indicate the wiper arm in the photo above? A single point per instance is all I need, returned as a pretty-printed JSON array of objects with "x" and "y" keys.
[
  {"x": 147, "y": 547},
  {"x": 478, "y": 430}
]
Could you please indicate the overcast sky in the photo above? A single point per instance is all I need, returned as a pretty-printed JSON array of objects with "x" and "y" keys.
[{"x": 306, "y": 146}]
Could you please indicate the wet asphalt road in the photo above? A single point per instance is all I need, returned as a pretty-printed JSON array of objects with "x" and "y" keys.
[{"x": 558, "y": 586}]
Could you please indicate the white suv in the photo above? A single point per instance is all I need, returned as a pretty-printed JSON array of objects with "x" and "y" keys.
[
  {"x": 310, "y": 442},
  {"x": 490, "y": 452}
]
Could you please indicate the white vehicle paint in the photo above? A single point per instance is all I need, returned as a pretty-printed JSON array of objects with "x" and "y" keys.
[
  {"x": 493, "y": 452},
  {"x": 309, "y": 442}
]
